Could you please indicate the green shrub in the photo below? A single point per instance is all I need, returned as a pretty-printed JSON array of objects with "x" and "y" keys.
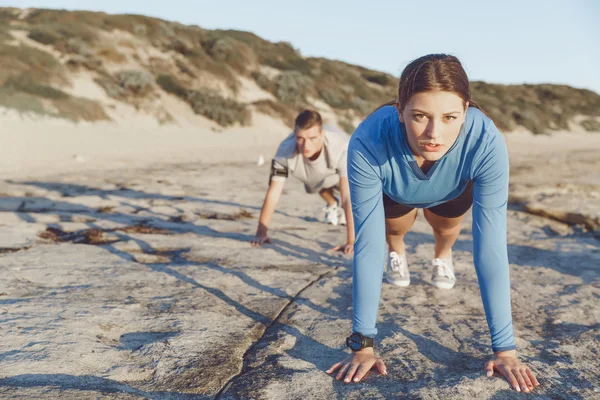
[
  {"x": 279, "y": 55},
  {"x": 28, "y": 57},
  {"x": 170, "y": 84},
  {"x": 38, "y": 65},
  {"x": 184, "y": 68},
  {"x": 213, "y": 106},
  {"x": 111, "y": 88},
  {"x": 203, "y": 62},
  {"x": 264, "y": 82},
  {"x": 79, "y": 109},
  {"x": 231, "y": 52},
  {"x": 4, "y": 33},
  {"x": 43, "y": 36},
  {"x": 538, "y": 108},
  {"x": 378, "y": 78},
  {"x": 134, "y": 82},
  {"x": 63, "y": 105},
  {"x": 362, "y": 106},
  {"x": 22, "y": 102},
  {"x": 67, "y": 24},
  {"x": 25, "y": 84},
  {"x": 345, "y": 87},
  {"x": 346, "y": 125},
  {"x": 178, "y": 45},
  {"x": 74, "y": 46},
  {"x": 126, "y": 83},
  {"x": 591, "y": 125},
  {"x": 334, "y": 98},
  {"x": 90, "y": 63},
  {"x": 8, "y": 14},
  {"x": 277, "y": 110},
  {"x": 292, "y": 87}
]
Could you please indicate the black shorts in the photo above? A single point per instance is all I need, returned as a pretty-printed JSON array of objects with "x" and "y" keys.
[{"x": 450, "y": 209}]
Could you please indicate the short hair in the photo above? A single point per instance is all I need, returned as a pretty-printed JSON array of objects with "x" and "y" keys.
[{"x": 307, "y": 119}]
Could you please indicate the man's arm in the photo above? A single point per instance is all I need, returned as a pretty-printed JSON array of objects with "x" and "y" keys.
[
  {"x": 268, "y": 208},
  {"x": 347, "y": 206}
]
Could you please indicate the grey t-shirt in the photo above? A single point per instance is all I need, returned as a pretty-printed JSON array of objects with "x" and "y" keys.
[{"x": 324, "y": 172}]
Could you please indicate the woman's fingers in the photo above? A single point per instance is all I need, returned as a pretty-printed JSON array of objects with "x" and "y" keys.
[
  {"x": 532, "y": 377},
  {"x": 380, "y": 365},
  {"x": 342, "y": 371},
  {"x": 361, "y": 371},
  {"x": 520, "y": 379},
  {"x": 510, "y": 378},
  {"x": 526, "y": 378},
  {"x": 489, "y": 368},
  {"x": 351, "y": 372},
  {"x": 334, "y": 367}
]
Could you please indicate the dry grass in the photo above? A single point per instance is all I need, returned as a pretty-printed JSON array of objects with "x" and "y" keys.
[
  {"x": 38, "y": 66},
  {"x": 5, "y": 250},
  {"x": 209, "y": 104},
  {"x": 86, "y": 236},
  {"x": 79, "y": 109},
  {"x": 144, "y": 229},
  {"x": 277, "y": 110},
  {"x": 25, "y": 84},
  {"x": 4, "y": 33},
  {"x": 110, "y": 54},
  {"x": 242, "y": 214},
  {"x": 22, "y": 102}
]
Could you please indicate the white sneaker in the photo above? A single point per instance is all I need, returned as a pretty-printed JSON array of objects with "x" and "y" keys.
[
  {"x": 331, "y": 215},
  {"x": 443, "y": 273},
  {"x": 397, "y": 270},
  {"x": 341, "y": 216}
]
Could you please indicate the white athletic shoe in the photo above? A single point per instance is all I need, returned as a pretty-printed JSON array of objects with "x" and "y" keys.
[
  {"x": 332, "y": 215},
  {"x": 397, "y": 270},
  {"x": 341, "y": 216},
  {"x": 443, "y": 273}
]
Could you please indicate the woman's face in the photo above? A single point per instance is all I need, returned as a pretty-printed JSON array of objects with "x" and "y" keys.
[{"x": 433, "y": 121}]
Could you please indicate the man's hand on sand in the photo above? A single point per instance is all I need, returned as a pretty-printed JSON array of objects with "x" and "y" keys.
[
  {"x": 260, "y": 240},
  {"x": 516, "y": 373},
  {"x": 347, "y": 248},
  {"x": 357, "y": 366}
]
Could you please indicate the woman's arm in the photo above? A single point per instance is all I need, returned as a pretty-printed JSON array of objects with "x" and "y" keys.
[
  {"x": 369, "y": 255},
  {"x": 490, "y": 198},
  {"x": 369, "y": 246}
]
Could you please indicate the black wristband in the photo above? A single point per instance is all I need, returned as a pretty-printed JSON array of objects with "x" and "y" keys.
[{"x": 357, "y": 341}]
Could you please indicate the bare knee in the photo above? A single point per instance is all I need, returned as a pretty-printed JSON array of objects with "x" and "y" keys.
[
  {"x": 401, "y": 225},
  {"x": 447, "y": 231},
  {"x": 445, "y": 227}
]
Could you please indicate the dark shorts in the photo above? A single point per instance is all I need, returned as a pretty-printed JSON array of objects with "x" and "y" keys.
[{"x": 450, "y": 209}]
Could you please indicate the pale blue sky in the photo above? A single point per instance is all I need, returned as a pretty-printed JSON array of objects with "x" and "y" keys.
[{"x": 505, "y": 42}]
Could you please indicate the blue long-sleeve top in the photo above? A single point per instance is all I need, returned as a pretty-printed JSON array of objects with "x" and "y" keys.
[{"x": 380, "y": 161}]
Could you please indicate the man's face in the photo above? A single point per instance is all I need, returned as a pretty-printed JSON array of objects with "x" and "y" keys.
[{"x": 309, "y": 141}]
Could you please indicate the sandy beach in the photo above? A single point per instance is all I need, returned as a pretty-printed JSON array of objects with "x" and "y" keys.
[{"x": 127, "y": 273}]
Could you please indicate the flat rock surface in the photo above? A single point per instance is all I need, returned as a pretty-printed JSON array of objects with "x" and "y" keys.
[{"x": 142, "y": 284}]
